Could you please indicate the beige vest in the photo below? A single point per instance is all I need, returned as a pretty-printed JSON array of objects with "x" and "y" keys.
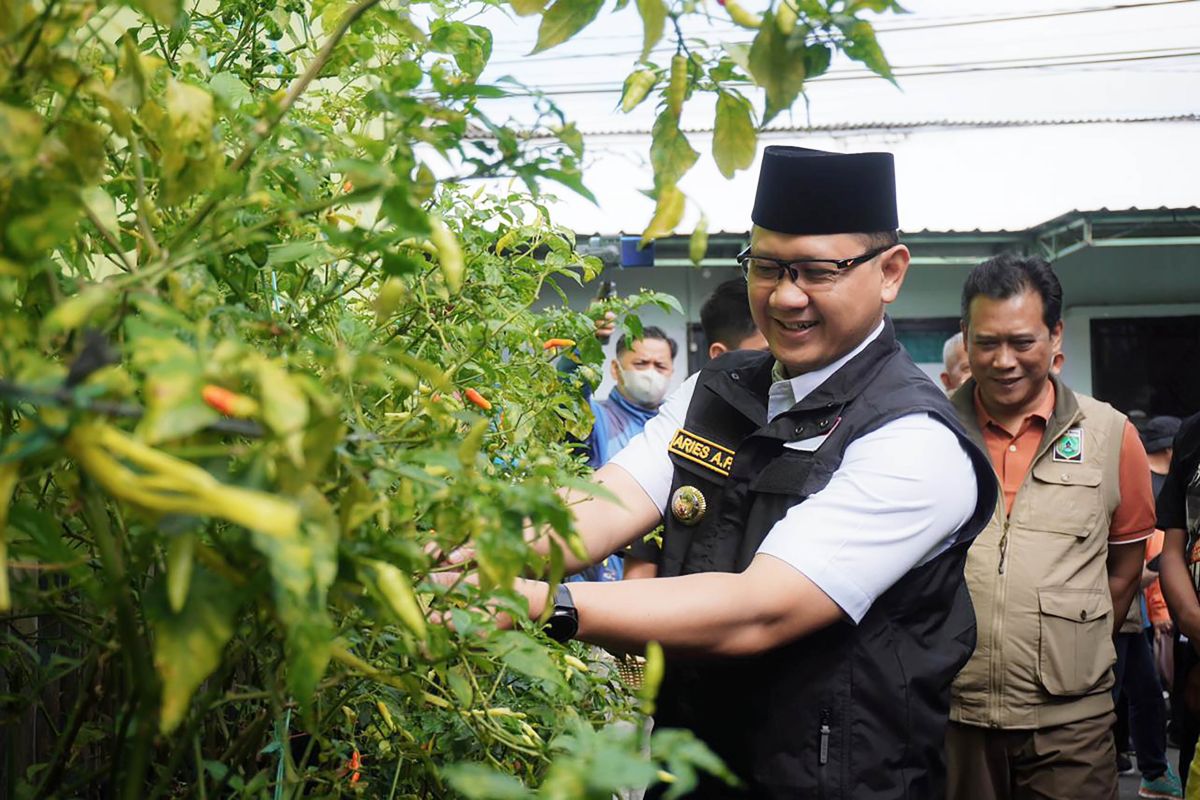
[{"x": 1039, "y": 582}]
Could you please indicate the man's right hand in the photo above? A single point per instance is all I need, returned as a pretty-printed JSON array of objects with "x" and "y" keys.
[{"x": 606, "y": 326}]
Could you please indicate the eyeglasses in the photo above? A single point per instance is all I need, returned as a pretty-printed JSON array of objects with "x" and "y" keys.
[{"x": 809, "y": 273}]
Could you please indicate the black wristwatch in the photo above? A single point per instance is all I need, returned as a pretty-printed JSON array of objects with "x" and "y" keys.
[{"x": 563, "y": 623}]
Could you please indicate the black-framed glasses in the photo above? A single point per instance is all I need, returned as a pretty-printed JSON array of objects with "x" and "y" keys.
[{"x": 812, "y": 273}]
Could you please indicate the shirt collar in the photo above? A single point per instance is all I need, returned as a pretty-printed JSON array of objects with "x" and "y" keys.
[
  {"x": 804, "y": 384},
  {"x": 1042, "y": 411}
]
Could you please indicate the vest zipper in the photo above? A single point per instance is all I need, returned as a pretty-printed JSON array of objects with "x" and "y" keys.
[
  {"x": 823, "y": 753},
  {"x": 1003, "y": 547}
]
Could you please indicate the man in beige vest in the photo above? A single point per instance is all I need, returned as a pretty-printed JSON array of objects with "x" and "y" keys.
[{"x": 1053, "y": 574}]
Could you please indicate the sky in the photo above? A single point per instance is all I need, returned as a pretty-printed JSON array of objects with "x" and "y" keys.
[{"x": 1042, "y": 63}]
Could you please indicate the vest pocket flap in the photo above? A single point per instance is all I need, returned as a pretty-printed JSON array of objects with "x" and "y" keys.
[
  {"x": 1075, "y": 651},
  {"x": 787, "y": 473},
  {"x": 1077, "y": 605},
  {"x": 1056, "y": 472}
]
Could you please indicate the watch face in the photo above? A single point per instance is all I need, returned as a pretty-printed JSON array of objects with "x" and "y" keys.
[{"x": 562, "y": 625}]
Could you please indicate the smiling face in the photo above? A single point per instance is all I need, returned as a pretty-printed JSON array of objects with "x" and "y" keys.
[
  {"x": 1011, "y": 351},
  {"x": 808, "y": 330}
]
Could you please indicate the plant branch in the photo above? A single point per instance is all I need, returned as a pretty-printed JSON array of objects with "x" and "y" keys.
[{"x": 266, "y": 126}]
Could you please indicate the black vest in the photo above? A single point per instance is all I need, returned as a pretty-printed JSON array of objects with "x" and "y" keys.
[{"x": 852, "y": 711}]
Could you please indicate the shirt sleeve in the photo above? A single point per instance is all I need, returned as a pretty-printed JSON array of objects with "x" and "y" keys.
[
  {"x": 646, "y": 457},
  {"x": 1133, "y": 519},
  {"x": 882, "y": 513},
  {"x": 1156, "y": 606}
]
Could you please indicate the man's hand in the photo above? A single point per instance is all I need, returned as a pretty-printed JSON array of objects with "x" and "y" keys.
[{"x": 606, "y": 326}]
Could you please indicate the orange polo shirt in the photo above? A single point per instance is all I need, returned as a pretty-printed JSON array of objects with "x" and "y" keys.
[{"x": 1012, "y": 454}]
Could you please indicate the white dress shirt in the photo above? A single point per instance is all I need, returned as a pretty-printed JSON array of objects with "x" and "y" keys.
[{"x": 895, "y": 502}]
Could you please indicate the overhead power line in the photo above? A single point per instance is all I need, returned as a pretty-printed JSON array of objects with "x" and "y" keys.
[
  {"x": 881, "y": 29},
  {"x": 918, "y": 71}
]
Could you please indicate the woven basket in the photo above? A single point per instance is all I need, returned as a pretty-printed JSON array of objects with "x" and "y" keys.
[{"x": 631, "y": 668}]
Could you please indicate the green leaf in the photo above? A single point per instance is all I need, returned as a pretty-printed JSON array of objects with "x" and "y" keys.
[
  {"x": 777, "y": 67},
  {"x": 174, "y": 402},
  {"x": 816, "y": 59},
  {"x": 20, "y": 134},
  {"x": 698, "y": 243},
  {"x": 284, "y": 407},
  {"x": 671, "y": 154},
  {"x": 164, "y": 12},
  {"x": 31, "y": 235},
  {"x": 229, "y": 89},
  {"x": 735, "y": 142},
  {"x": 479, "y": 782},
  {"x": 861, "y": 45},
  {"x": 637, "y": 85},
  {"x": 667, "y": 214},
  {"x": 563, "y": 20},
  {"x": 527, "y": 8},
  {"x": 654, "y": 18},
  {"x": 190, "y": 111},
  {"x": 103, "y": 207},
  {"x": 188, "y": 644},
  {"x": 525, "y": 655}
]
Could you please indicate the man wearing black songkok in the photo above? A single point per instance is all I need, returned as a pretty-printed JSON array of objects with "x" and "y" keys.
[{"x": 817, "y": 500}]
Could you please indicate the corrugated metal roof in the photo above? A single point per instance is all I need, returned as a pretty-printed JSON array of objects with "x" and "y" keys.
[
  {"x": 1188, "y": 214},
  {"x": 878, "y": 125}
]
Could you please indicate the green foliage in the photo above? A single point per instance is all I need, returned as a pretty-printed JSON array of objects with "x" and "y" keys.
[{"x": 242, "y": 322}]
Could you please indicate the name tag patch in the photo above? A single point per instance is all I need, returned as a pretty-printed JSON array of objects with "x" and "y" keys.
[
  {"x": 1069, "y": 447},
  {"x": 702, "y": 451}
]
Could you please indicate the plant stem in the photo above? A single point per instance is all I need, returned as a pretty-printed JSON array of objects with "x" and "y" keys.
[
  {"x": 133, "y": 645},
  {"x": 266, "y": 126}
]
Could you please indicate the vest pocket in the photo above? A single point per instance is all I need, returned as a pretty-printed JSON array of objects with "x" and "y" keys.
[
  {"x": 1074, "y": 647},
  {"x": 1068, "y": 499}
]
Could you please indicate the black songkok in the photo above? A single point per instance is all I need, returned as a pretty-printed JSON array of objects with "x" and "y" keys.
[{"x": 812, "y": 192}]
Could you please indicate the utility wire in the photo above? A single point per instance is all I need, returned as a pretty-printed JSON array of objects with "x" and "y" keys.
[
  {"x": 864, "y": 72},
  {"x": 879, "y": 29},
  {"x": 901, "y": 72}
]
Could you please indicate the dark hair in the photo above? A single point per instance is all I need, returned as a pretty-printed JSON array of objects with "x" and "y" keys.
[
  {"x": 648, "y": 332},
  {"x": 725, "y": 315},
  {"x": 1008, "y": 275},
  {"x": 880, "y": 240}
]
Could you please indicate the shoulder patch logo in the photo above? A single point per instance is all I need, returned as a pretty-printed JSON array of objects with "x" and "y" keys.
[
  {"x": 704, "y": 452},
  {"x": 1069, "y": 447}
]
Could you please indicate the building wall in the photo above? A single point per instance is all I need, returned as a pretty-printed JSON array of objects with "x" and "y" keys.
[{"x": 1140, "y": 281}]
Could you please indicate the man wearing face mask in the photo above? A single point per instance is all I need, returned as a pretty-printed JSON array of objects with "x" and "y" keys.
[{"x": 642, "y": 369}]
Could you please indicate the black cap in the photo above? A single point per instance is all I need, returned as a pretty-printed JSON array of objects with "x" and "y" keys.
[
  {"x": 812, "y": 192},
  {"x": 1158, "y": 432}
]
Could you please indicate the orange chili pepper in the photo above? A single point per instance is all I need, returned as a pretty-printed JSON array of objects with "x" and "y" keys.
[
  {"x": 231, "y": 404},
  {"x": 550, "y": 344},
  {"x": 478, "y": 399},
  {"x": 354, "y": 765}
]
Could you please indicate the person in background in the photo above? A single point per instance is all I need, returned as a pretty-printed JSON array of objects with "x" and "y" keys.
[
  {"x": 726, "y": 321},
  {"x": 954, "y": 360},
  {"x": 727, "y": 325},
  {"x": 1179, "y": 573},
  {"x": 642, "y": 369},
  {"x": 1137, "y": 681},
  {"x": 1053, "y": 574}
]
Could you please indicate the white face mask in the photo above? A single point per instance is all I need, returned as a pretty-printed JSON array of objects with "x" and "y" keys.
[{"x": 646, "y": 387}]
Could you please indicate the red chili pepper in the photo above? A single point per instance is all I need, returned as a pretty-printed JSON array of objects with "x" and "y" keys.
[
  {"x": 551, "y": 344},
  {"x": 231, "y": 404},
  {"x": 478, "y": 399},
  {"x": 354, "y": 765}
]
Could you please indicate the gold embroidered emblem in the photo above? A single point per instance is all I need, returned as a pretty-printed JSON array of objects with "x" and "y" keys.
[
  {"x": 688, "y": 505},
  {"x": 702, "y": 451}
]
